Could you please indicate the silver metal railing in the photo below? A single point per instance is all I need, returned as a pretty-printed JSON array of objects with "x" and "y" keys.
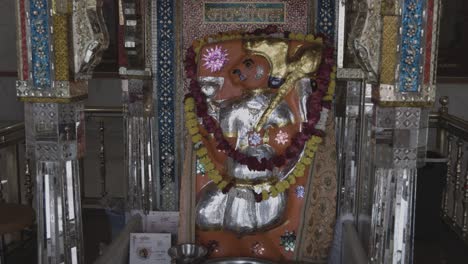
[
  {"x": 451, "y": 142},
  {"x": 12, "y": 135}
]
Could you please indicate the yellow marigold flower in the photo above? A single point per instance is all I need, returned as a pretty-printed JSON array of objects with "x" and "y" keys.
[
  {"x": 202, "y": 151},
  {"x": 265, "y": 195},
  {"x": 273, "y": 192},
  {"x": 190, "y": 101},
  {"x": 309, "y": 153},
  {"x": 217, "y": 179},
  {"x": 213, "y": 174},
  {"x": 191, "y": 116},
  {"x": 292, "y": 179},
  {"x": 279, "y": 187},
  {"x": 300, "y": 166},
  {"x": 205, "y": 160},
  {"x": 196, "y": 138},
  {"x": 191, "y": 123},
  {"x": 300, "y": 36},
  {"x": 327, "y": 98},
  {"x": 307, "y": 161},
  {"x": 193, "y": 130},
  {"x": 316, "y": 139},
  {"x": 292, "y": 35},
  {"x": 297, "y": 173},
  {"x": 285, "y": 184},
  {"x": 209, "y": 166},
  {"x": 331, "y": 87},
  {"x": 310, "y": 38}
]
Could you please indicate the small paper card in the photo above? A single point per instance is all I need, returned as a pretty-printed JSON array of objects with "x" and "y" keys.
[
  {"x": 162, "y": 222},
  {"x": 147, "y": 248}
]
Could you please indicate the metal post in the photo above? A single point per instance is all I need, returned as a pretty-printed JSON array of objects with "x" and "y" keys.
[
  {"x": 449, "y": 176},
  {"x": 102, "y": 159},
  {"x": 441, "y": 131},
  {"x": 465, "y": 206},
  {"x": 28, "y": 182},
  {"x": 456, "y": 182}
]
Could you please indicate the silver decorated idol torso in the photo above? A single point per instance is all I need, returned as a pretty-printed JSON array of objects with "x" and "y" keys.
[{"x": 237, "y": 210}]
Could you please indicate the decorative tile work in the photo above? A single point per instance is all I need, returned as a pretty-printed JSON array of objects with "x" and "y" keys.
[
  {"x": 288, "y": 240},
  {"x": 411, "y": 44},
  {"x": 61, "y": 91},
  {"x": 350, "y": 74},
  {"x": 242, "y": 12},
  {"x": 319, "y": 220},
  {"x": 61, "y": 47},
  {"x": 389, "y": 7},
  {"x": 429, "y": 46},
  {"x": 45, "y": 124},
  {"x": 23, "y": 46},
  {"x": 326, "y": 18},
  {"x": 300, "y": 191},
  {"x": 200, "y": 168},
  {"x": 40, "y": 43},
  {"x": 389, "y": 48},
  {"x": 368, "y": 44},
  {"x": 89, "y": 37},
  {"x": 258, "y": 249},
  {"x": 406, "y": 137},
  {"x": 194, "y": 27},
  {"x": 165, "y": 87},
  {"x": 407, "y": 118},
  {"x": 436, "y": 13}
]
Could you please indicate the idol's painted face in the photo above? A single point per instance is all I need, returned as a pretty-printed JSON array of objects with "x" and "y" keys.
[{"x": 251, "y": 72}]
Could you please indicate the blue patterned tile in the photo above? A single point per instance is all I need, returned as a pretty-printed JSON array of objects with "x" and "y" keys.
[
  {"x": 325, "y": 22},
  {"x": 40, "y": 43},
  {"x": 165, "y": 89},
  {"x": 411, "y": 45}
]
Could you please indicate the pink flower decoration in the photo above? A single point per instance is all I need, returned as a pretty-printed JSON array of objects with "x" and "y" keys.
[
  {"x": 258, "y": 248},
  {"x": 282, "y": 137},
  {"x": 215, "y": 58}
]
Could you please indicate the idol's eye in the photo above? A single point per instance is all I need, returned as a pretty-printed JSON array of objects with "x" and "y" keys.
[{"x": 248, "y": 63}]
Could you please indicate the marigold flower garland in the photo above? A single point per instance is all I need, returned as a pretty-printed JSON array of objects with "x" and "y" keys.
[
  {"x": 224, "y": 185},
  {"x": 307, "y": 140}
]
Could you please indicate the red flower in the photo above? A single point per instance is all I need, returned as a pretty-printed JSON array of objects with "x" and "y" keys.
[{"x": 278, "y": 160}]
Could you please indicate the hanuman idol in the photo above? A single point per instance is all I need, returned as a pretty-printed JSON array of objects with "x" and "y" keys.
[{"x": 259, "y": 103}]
